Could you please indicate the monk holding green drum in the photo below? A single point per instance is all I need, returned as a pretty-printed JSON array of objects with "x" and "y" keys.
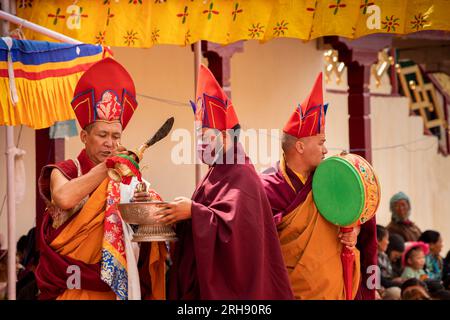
[{"x": 310, "y": 206}]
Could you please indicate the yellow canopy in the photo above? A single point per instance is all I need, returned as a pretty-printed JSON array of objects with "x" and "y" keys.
[{"x": 144, "y": 23}]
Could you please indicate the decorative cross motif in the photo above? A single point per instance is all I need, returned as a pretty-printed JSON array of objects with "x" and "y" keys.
[
  {"x": 78, "y": 15},
  {"x": 236, "y": 11},
  {"x": 210, "y": 11},
  {"x": 337, "y": 6},
  {"x": 365, "y": 5},
  {"x": 183, "y": 15},
  {"x": 56, "y": 16}
]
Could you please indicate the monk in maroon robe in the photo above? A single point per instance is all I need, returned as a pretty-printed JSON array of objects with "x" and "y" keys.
[
  {"x": 311, "y": 245},
  {"x": 51, "y": 274},
  {"x": 228, "y": 246},
  {"x": 71, "y": 230}
]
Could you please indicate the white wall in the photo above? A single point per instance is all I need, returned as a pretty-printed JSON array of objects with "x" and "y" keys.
[{"x": 415, "y": 167}]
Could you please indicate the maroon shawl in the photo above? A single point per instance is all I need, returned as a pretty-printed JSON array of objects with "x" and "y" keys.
[
  {"x": 230, "y": 248},
  {"x": 51, "y": 272},
  {"x": 283, "y": 199}
]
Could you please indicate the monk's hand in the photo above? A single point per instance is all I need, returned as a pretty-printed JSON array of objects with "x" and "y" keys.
[
  {"x": 349, "y": 239},
  {"x": 172, "y": 212},
  {"x": 142, "y": 197}
]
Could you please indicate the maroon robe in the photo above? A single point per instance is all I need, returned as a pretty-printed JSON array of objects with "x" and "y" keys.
[
  {"x": 51, "y": 272},
  {"x": 283, "y": 200},
  {"x": 368, "y": 255},
  {"x": 230, "y": 248}
]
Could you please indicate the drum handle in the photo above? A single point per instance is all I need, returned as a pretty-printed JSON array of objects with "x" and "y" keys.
[{"x": 348, "y": 262}]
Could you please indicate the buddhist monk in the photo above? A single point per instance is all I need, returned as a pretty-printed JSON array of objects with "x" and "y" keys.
[
  {"x": 228, "y": 246},
  {"x": 311, "y": 246},
  {"x": 85, "y": 247}
]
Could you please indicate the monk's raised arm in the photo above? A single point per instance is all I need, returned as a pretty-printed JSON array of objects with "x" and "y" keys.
[{"x": 67, "y": 194}]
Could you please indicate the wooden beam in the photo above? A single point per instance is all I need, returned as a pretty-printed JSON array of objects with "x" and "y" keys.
[{"x": 219, "y": 61}]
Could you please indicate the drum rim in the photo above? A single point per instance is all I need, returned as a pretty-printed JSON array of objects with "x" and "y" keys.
[{"x": 356, "y": 176}]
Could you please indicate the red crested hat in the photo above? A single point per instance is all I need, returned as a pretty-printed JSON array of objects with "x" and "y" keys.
[
  {"x": 105, "y": 92},
  {"x": 213, "y": 108},
  {"x": 308, "y": 118}
]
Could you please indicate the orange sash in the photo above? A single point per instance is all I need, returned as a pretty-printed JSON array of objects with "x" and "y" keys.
[
  {"x": 82, "y": 240},
  {"x": 311, "y": 251}
]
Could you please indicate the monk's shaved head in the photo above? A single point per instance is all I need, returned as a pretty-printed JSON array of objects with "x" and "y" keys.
[
  {"x": 288, "y": 142},
  {"x": 303, "y": 154}
]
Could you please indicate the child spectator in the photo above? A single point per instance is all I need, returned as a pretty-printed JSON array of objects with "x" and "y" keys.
[
  {"x": 395, "y": 250},
  {"x": 413, "y": 260},
  {"x": 433, "y": 261}
]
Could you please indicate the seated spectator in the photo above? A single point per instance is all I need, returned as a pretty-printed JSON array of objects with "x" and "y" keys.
[
  {"x": 400, "y": 207},
  {"x": 446, "y": 271},
  {"x": 26, "y": 287},
  {"x": 20, "y": 248},
  {"x": 414, "y": 289},
  {"x": 413, "y": 260},
  {"x": 433, "y": 261},
  {"x": 389, "y": 283},
  {"x": 20, "y": 251},
  {"x": 395, "y": 250}
]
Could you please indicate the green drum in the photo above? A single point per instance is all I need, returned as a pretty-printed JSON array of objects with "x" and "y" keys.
[{"x": 346, "y": 190}]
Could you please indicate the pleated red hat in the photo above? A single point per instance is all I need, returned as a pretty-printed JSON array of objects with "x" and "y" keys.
[
  {"x": 213, "y": 109},
  {"x": 105, "y": 92},
  {"x": 308, "y": 118}
]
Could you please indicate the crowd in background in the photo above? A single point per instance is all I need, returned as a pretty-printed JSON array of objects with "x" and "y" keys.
[{"x": 410, "y": 261}]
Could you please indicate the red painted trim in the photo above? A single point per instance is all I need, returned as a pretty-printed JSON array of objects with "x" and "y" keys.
[{"x": 46, "y": 73}]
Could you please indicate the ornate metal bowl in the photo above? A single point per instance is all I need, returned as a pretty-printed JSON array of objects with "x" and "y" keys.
[{"x": 144, "y": 215}]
